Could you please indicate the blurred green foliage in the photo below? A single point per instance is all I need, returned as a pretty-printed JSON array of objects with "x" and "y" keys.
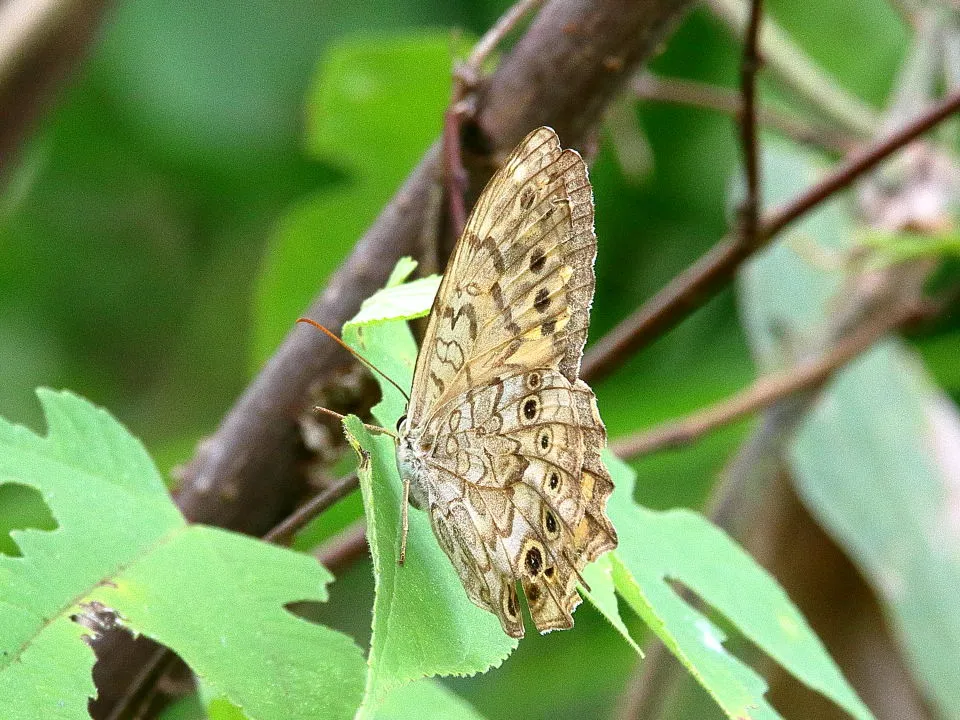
[{"x": 172, "y": 215}]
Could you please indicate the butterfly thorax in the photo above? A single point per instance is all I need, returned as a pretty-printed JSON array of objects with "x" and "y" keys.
[{"x": 411, "y": 462}]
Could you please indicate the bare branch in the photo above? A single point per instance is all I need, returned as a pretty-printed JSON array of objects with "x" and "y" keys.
[
  {"x": 283, "y": 533},
  {"x": 749, "y": 65},
  {"x": 859, "y": 164},
  {"x": 691, "y": 289},
  {"x": 766, "y": 391},
  {"x": 41, "y": 42},
  {"x": 720, "y": 99}
]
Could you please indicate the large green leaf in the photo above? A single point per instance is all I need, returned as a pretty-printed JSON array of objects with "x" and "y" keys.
[
  {"x": 215, "y": 597},
  {"x": 423, "y": 622},
  {"x": 681, "y": 546},
  {"x": 875, "y": 460},
  {"x": 376, "y": 107}
]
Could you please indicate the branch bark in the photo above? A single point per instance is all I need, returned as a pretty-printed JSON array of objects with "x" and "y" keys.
[{"x": 41, "y": 43}]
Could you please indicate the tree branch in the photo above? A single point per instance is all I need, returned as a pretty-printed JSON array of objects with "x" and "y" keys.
[
  {"x": 41, "y": 42},
  {"x": 692, "y": 288},
  {"x": 765, "y": 391},
  {"x": 720, "y": 99},
  {"x": 283, "y": 533},
  {"x": 750, "y": 209}
]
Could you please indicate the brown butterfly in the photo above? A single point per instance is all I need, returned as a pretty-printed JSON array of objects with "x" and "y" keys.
[{"x": 501, "y": 441}]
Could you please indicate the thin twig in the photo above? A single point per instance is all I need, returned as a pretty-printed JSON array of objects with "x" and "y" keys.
[
  {"x": 750, "y": 208},
  {"x": 764, "y": 392},
  {"x": 720, "y": 99},
  {"x": 283, "y": 533},
  {"x": 463, "y": 105},
  {"x": 454, "y": 173},
  {"x": 795, "y": 69},
  {"x": 495, "y": 35},
  {"x": 691, "y": 289},
  {"x": 859, "y": 164},
  {"x": 344, "y": 549}
]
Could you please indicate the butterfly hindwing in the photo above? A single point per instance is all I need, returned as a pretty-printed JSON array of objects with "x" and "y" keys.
[{"x": 524, "y": 464}]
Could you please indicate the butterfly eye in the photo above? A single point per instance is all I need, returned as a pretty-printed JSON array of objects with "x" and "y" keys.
[{"x": 400, "y": 422}]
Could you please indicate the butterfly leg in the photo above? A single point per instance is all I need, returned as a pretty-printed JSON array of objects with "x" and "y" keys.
[{"x": 404, "y": 522}]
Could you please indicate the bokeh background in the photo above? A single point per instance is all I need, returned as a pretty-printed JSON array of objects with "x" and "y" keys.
[{"x": 211, "y": 163}]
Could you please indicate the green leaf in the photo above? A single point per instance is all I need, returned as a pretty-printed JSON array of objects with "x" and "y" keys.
[
  {"x": 875, "y": 460},
  {"x": 423, "y": 622},
  {"x": 680, "y": 546},
  {"x": 367, "y": 89},
  {"x": 376, "y": 108},
  {"x": 215, "y": 597},
  {"x": 402, "y": 302},
  {"x": 426, "y": 699},
  {"x": 603, "y": 595}
]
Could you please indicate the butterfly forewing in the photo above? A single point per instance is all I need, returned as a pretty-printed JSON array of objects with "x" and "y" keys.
[{"x": 506, "y": 438}]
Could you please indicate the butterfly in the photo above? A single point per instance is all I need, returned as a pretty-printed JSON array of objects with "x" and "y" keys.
[{"x": 501, "y": 440}]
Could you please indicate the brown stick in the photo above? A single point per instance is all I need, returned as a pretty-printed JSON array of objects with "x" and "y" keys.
[
  {"x": 720, "y": 99},
  {"x": 40, "y": 45},
  {"x": 764, "y": 392},
  {"x": 283, "y": 533},
  {"x": 691, "y": 289},
  {"x": 749, "y": 212}
]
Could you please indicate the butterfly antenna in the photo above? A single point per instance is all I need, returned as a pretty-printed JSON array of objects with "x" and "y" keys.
[
  {"x": 353, "y": 352},
  {"x": 375, "y": 429}
]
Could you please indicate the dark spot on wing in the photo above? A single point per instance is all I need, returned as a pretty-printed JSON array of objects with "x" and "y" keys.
[
  {"x": 537, "y": 260},
  {"x": 542, "y": 300},
  {"x": 534, "y": 561}
]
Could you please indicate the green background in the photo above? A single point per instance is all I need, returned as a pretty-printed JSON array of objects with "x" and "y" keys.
[{"x": 170, "y": 216}]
